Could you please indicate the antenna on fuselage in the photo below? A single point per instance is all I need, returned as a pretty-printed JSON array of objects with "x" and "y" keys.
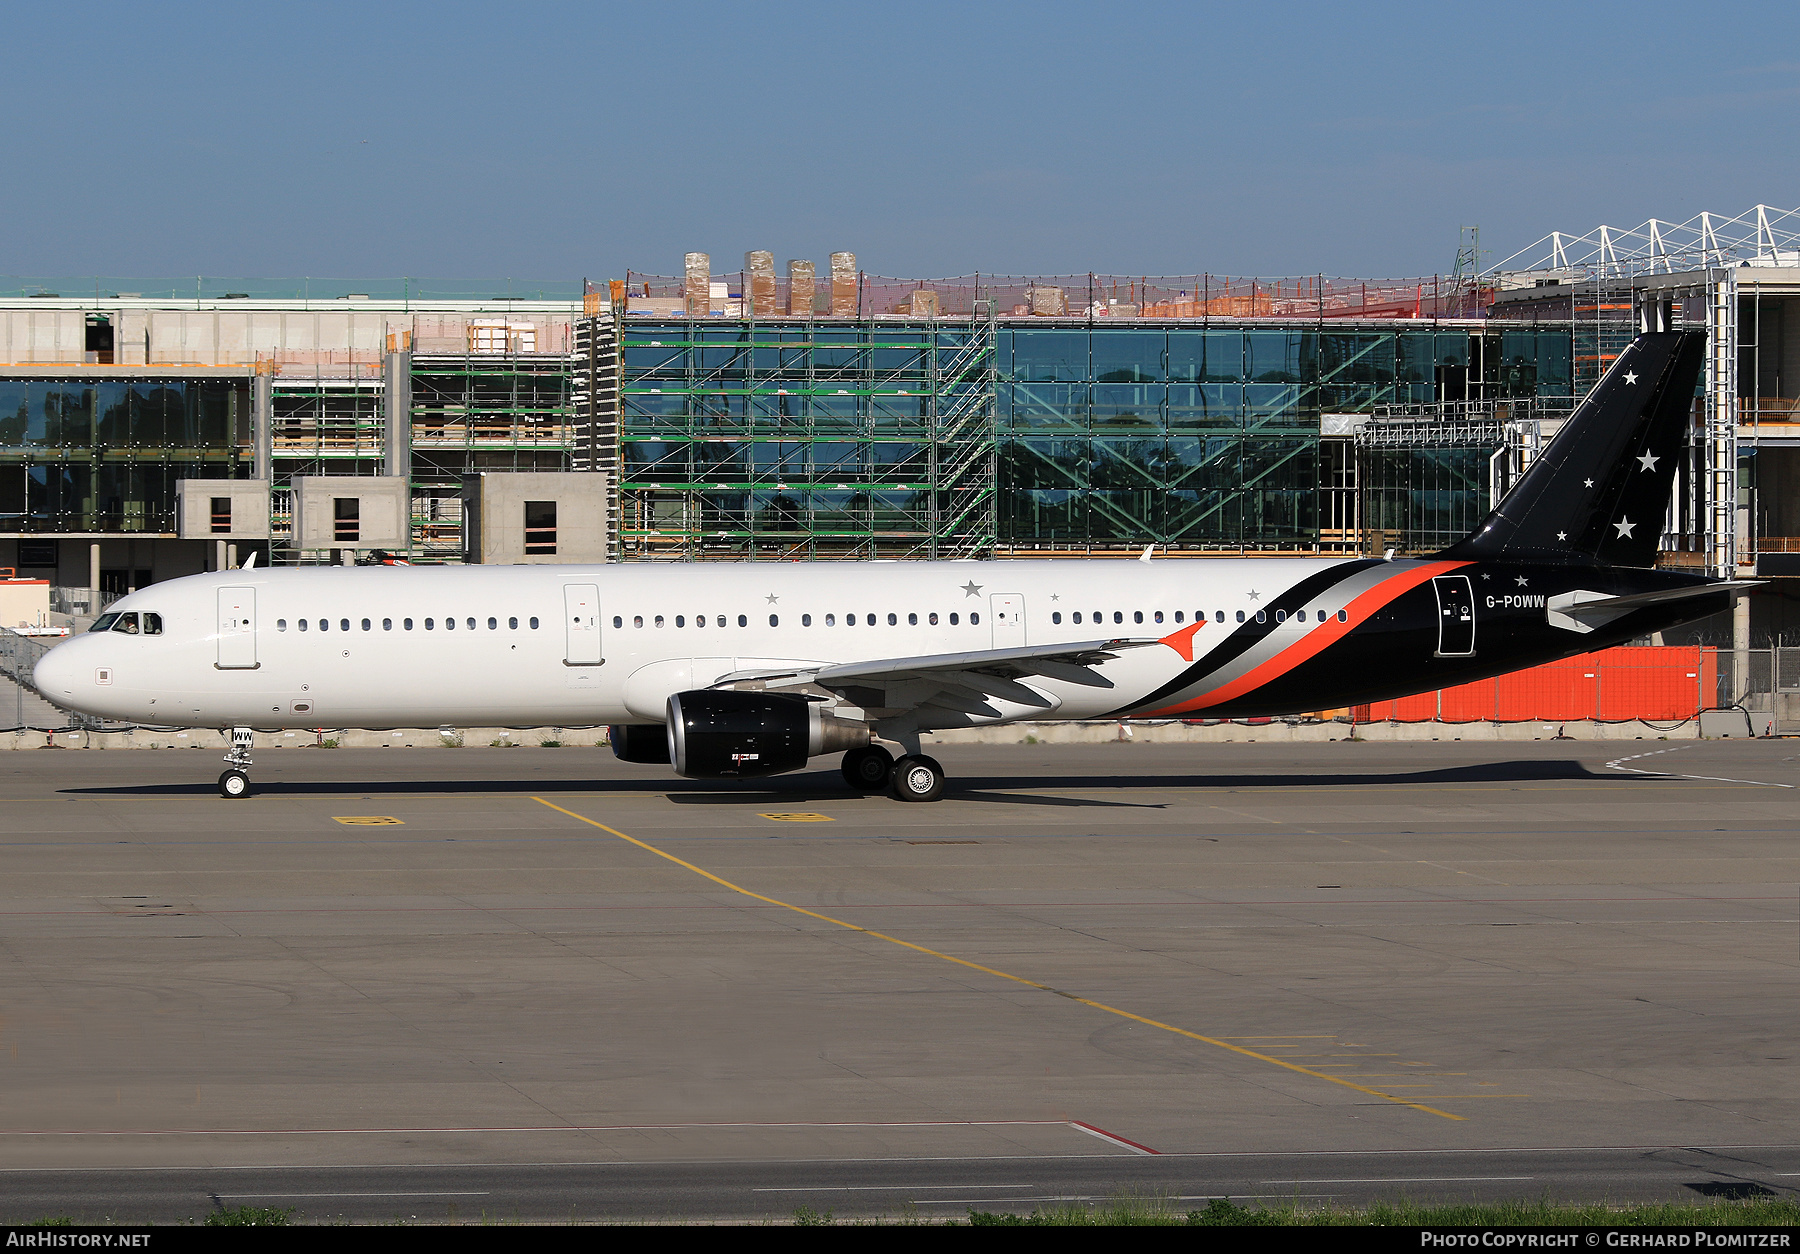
[
  {"x": 1145, "y": 555},
  {"x": 249, "y": 561}
]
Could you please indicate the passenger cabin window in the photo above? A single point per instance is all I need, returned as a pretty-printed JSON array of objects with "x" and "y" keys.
[
  {"x": 406, "y": 623},
  {"x": 449, "y": 624},
  {"x": 366, "y": 625},
  {"x": 617, "y": 621},
  {"x": 1056, "y": 616},
  {"x": 774, "y": 620},
  {"x": 301, "y": 624},
  {"x": 534, "y": 624},
  {"x": 540, "y": 528},
  {"x": 387, "y": 624},
  {"x": 744, "y": 621},
  {"x": 281, "y": 624},
  {"x": 932, "y": 619},
  {"x": 805, "y": 620}
]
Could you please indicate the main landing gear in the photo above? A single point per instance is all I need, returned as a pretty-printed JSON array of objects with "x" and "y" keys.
[
  {"x": 914, "y": 777},
  {"x": 867, "y": 769},
  {"x": 235, "y": 782}
]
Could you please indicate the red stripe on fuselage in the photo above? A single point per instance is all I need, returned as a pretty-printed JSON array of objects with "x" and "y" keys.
[{"x": 1315, "y": 641}]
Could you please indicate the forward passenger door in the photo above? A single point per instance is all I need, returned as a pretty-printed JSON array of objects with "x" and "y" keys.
[{"x": 237, "y": 629}]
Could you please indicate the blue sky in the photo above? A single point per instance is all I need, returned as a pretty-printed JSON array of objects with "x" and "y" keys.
[{"x": 558, "y": 141}]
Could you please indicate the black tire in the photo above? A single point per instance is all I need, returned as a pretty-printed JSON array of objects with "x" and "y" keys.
[
  {"x": 916, "y": 779},
  {"x": 234, "y": 784},
  {"x": 867, "y": 769}
]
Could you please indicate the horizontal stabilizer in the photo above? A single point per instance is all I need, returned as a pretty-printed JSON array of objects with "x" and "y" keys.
[{"x": 1583, "y": 611}]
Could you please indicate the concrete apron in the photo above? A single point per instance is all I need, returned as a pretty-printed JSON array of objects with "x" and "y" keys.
[{"x": 1012, "y": 733}]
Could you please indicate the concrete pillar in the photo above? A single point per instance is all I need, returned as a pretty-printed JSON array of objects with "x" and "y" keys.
[
  {"x": 219, "y": 555},
  {"x": 231, "y": 557},
  {"x": 262, "y": 427},
  {"x": 1740, "y": 648},
  {"x": 396, "y": 414}
]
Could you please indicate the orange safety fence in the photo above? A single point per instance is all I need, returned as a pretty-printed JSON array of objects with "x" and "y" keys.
[{"x": 1652, "y": 683}]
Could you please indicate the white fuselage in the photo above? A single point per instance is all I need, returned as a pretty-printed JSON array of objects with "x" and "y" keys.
[{"x": 583, "y": 645}]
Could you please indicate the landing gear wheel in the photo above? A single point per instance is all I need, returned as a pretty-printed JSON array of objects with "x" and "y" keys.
[
  {"x": 916, "y": 779},
  {"x": 234, "y": 784},
  {"x": 867, "y": 769}
]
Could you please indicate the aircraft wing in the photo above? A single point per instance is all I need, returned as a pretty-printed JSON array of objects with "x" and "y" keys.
[{"x": 962, "y": 683}]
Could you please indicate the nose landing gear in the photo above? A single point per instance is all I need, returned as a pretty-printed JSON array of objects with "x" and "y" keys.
[{"x": 235, "y": 782}]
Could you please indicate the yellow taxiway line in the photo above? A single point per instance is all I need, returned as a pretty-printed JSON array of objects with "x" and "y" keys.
[{"x": 1016, "y": 979}]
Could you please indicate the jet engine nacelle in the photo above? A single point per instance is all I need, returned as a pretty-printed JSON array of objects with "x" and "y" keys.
[
  {"x": 640, "y": 742},
  {"x": 714, "y": 734}
]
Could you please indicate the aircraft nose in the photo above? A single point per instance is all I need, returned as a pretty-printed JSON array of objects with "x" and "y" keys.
[{"x": 55, "y": 672}]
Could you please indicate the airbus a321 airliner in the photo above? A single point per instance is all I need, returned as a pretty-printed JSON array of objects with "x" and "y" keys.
[{"x": 752, "y": 669}]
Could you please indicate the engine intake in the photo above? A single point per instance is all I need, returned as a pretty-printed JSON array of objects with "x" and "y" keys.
[
  {"x": 640, "y": 742},
  {"x": 713, "y": 734}
]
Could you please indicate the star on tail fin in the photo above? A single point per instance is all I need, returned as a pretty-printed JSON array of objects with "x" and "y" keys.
[{"x": 1600, "y": 490}]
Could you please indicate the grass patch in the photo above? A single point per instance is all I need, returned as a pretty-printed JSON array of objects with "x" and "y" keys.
[
  {"x": 250, "y": 1217},
  {"x": 1132, "y": 1211},
  {"x": 549, "y": 744},
  {"x": 328, "y": 744}
]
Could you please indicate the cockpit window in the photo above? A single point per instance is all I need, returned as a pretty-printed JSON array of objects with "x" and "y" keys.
[
  {"x": 104, "y": 622},
  {"x": 153, "y": 624},
  {"x": 128, "y": 624}
]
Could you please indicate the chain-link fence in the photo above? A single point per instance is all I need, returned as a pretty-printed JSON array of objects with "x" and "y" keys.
[
  {"x": 20, "y": 704},
  {"x": 1766, "y": 682}
]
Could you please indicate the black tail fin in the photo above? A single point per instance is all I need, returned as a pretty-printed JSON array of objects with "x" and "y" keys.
[{"x": 1600, "y": 490}]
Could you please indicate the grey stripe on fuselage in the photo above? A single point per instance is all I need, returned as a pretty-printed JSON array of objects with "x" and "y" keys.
[{"x": 1351, "y": 581}]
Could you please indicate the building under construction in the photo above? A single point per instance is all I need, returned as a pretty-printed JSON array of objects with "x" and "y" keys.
[{"x": 828, "y": 412}]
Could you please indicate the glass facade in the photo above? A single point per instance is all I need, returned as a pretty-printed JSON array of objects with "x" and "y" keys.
[
  {"x": 759, "y": 440},
  {"x": 1209, "y": 438},
  {"x": 747, "y": 439},
  {"x": 104, "y": 454}
]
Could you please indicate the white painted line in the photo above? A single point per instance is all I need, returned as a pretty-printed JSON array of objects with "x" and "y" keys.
[
  {"x": 484, "y": 1193},
  {"x": 1403, "y": 1180},
  {"x": 877, "y": 1188},
  {"x": 1615, "y": 764}
]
